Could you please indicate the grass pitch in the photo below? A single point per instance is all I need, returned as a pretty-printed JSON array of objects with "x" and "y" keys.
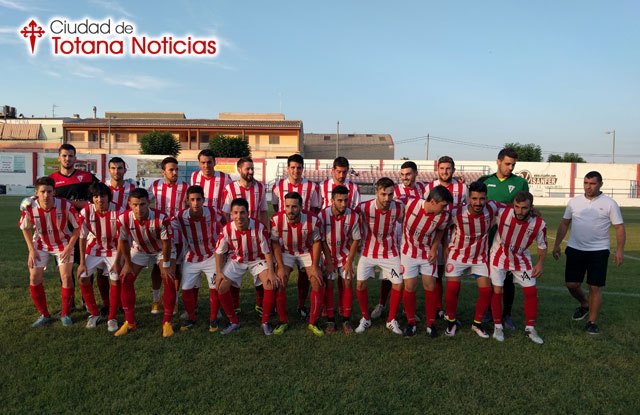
[{"x": 62, "y": 370}]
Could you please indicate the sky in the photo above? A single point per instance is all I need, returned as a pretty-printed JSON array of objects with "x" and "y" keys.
[{"x": 471, "y": 75}]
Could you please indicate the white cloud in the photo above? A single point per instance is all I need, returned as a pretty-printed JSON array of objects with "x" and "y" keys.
[
  {"x": 111, "y": 6},
  {"x": 86, "y": 71},
  {"x": 139, "y": 82},
  {"x": 13, "y": 5}
]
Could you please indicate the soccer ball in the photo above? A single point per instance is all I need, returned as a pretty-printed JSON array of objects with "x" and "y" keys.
[{"x": 26, "y": 202}]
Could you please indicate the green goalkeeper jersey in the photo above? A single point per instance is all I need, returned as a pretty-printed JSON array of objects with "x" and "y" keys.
[{"x": 504, "y": 190}]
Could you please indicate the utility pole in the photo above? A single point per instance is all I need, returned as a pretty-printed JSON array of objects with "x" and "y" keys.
[
  {"x": 109, "y": 133},
  {"x": 337, "y": 138},
  {"x": 613, "y": 149},
  {"x": 53, "y": 110},
  {"x": 428, "y": 139}
]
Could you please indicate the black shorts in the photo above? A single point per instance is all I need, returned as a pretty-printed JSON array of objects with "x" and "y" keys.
[{"x": 591, "y": 263}]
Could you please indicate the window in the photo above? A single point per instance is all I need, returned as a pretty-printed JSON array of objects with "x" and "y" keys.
[
  {"x": 93, "y": 137},
  {"x": 382, "y": 139},
  {"x": 274, "y": 140},
  {"x": 76, "y": 136},
  {"x": 327, "y": 138},
  {"x": 121, "y": 138},
  {"x": 53, "y": 130}
]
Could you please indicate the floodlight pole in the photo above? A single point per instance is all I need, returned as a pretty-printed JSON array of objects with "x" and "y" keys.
[
  {"x": 613, "y": 148},
  {"x": 337, "y": 138},
  {"x": 109, "y": 132}
]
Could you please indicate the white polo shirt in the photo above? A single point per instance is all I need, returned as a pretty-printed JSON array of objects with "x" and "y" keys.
[{"x": 590, "y": 221}]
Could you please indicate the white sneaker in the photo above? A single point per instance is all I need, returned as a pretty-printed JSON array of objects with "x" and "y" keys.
[
  {"x": 112, "y": 325},
  {"x": 533, "y": 335},
  {"x": 480, "y": 331},
  {"x": 377, "y": 312},
  {"x": 498, "y": 334},
  {"x": 364, "y": 324},
  {"x": 394, "y": 327},
  {"x": 92, "y": 321}
]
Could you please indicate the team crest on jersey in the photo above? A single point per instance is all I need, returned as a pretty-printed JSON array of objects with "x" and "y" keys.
[
  {"x": 80, "y": 177},
  {"x": 449, "y": 267},
  {"x": 511, "y": 187}
]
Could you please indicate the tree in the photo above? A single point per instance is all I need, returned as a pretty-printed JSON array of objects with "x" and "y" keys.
[
  {"x": 526, "y": 152},
  {"x": 566, "y": 158},
  {"x": 159, "y": 142},
  {"x": 230, "y": 146}
]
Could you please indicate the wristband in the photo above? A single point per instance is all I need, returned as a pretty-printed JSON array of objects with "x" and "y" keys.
[{"x": 166, "y": 264}]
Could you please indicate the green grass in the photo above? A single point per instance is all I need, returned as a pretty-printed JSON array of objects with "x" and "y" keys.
[{"x": 56, "y": 369}]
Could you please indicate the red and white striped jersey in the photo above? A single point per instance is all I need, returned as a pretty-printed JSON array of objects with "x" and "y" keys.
[
  {"x": 326, "y": 190},
  {"x": 199, "y": 234},
  {"x": 52, "y": 228},
  {"x": 458, "y": 190},
  {"x": 419, "y": 229},
  {"x": 100, "y": 229},
  {"x": 379, "y": 229},
  {"x": 339, "y": 232},
  {"x": 169, "y": 198},
  {"x": 255, "y": 195},
  {"x": 470, "y": 233},
  {"x": 120, "y": 195},
  {"x": 147, "y": 235},
  {"x": 400, "y": 191},
  {"x": 514, "y": 237},
  {"x": 213, "y": 187},
  {"x": 244, "y": 246},
  {"x": 309, "y": 191},
  {"x": 296, "y": 238}
]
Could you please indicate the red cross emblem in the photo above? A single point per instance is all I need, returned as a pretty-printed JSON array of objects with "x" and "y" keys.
[{"x": 32, "y": 30}]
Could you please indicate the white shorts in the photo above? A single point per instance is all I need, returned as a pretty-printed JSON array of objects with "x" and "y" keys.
[
  {"x": 234, "y": 270},
  {"x": 146, "y": 260},
  {"x": 412, "y": 268},
  {"x": 44, "y": 258},
  {"x": 523, "y": 278},
  {"x": 104, "y": 263},
  {"x": 391, "y": 269},
  {"x": 191, "y": 273},
  {"x": 302, "y": 260},
  {"x": 457, "y": 269}
]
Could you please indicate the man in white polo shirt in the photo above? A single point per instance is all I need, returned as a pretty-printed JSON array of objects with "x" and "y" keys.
[{"x": 590, "y": 216}]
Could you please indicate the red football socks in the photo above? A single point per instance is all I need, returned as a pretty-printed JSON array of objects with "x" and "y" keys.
[
  {"x": 226, "y": 300},
  {"x": 363, "y": 300},
  {"x": 281, "y": 305},
  {"x": 67, "y": 294},
  {"x": 39, "y": 299},
  {"x": 394, "y": 303},
  {"x": 530, "y": 305},
  {"x": 430, "y": 301},
  {"x": 267, "y": 304},
  {"x": 329, "y": 301},
  {"x": 214, "y": 304},
  {"x": 128, "y": 299},
  {"x": 316, "y": 305},
  {"x": 189, "y": 301},
  {"x": 89, "y": 298},
  {"x": 346, "y": 301},
  {"x": 451, "y": 299},
  {"x": 114, "y": 300},
  {"x": 496, "y": 308},
  {"x": 409, "y": 299},
  {"x": 483, "y": 301},
  {"x": 168, "y": 299}
]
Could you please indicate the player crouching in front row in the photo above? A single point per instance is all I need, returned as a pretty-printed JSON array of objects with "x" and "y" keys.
[
  {"x": 245, "y": 240},
  {"x": 45, "y": 223},
  {"x": 150, "y": 231}
]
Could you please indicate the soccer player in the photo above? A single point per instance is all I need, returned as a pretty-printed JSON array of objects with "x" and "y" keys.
[
  {"x": 296, "y": 239},
  {"x": 378, "y": 218},
  {"x": 341, "y": 232},
  {"x": 198, "y": 225},
  {"x": 255, "y": 194},
  {"x": 425, "y": 222},
  {"x": 408, "y": 187},
  {"x": 502, "y": 186},
  {"x": 150, "y": 231},
  {"x": 339, "y": 174},
  {"x": 46, "y": 225},
  {"x": 459, "y": 191},
  {"x": 98, "y": 250},
  {"x": 120, "y": 188},
  {"x": 245, "y": 240},
  {"x": 72, "y": 184},
  {"x": 590, "y": 216},
  {"x": 212, "y": 182},
  {"x": 517, "y": 229},
  {"x": 310, "y": 193},
  {"x": 468, "y": 251},
  {"x": 169, "y": 194}
]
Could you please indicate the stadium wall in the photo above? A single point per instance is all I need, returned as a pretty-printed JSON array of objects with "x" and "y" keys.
[{"x": 551, "y": 183}]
